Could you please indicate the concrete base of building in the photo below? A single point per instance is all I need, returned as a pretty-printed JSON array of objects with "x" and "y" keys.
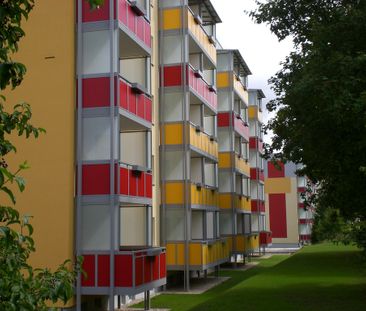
[{"x": 197, "y": 285}]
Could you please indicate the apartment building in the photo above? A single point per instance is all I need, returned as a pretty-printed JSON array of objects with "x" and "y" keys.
[
  {"x": 189, "y": 148},
  {"x": 148, "y": 144},
  {"x": 234, "y": 169},
  {"x": 289, "y": 219},
  {"x": 259, "y": 223}
]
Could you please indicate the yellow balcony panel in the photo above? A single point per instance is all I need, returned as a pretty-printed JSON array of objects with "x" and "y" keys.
[
  {"x": 202, "y": 142},
  {"x": 201, "y": 37},
  {"x": 172, "y": 19},
  {"x": 223, "y": 80},
  {"x": 174, "y": 193},
  {"x": 242, "y": 165},
  {"x": 225, "y": 201},
  {"x": 243, "y": 203},
  {"x": 255, "y": 114},
  {"x": 224, "y": 159},
  {"x": 240, "y": 242},
  {"x": 173, "y": 134},
  {"x": 254, "y": 242},
  {"x": 175, "y": 254},
  {"x": 204, "y": 196},
  {"x": 240, "y": 90}
]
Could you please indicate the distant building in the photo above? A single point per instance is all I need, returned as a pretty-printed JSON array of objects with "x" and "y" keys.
[{"x": 288, "y": 218}]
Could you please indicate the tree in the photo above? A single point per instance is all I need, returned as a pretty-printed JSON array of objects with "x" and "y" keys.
[
  {"x": 321, "y": 98},
  {"x": 21, "y": 286}
]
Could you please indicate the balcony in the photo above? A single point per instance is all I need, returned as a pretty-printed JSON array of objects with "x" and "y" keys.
[
  {"x": 202, "y": 254},
  {"x": 200, "y": 195},
  {"x": 256, "y": 174},
  {"x": 258, "y": 206},
  {"x": 256, "y": 143},
  {"x": 136, "y": 29},
  {"x": 240, "y": 164},
  {"x": 230, "y": 200},
  {"x": 228, "y": 79},
  {"x": 135, "y": 271},
  {"x": 206, "y": 93},
  {"x": 135, "y": 182},
  {"x": 265, "y": 238},
  {"x": 245, "y": 244},
  {"x": 254, "y": 113},
  {"x": 227, "y": 119}
]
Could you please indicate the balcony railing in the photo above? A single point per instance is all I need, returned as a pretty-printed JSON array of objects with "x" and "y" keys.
[
  {"x": 135, "y": 270},
  {"x": 172, "y": 76},
  {"x": 258, "y": 206},
  {"x": 134, "y": 181},
  {"x": 203, "y": 141},
  {"x": 134, "y": 20},
  {"x": 240, "y": 89},
  {"x": 244, "y": 244},
  {"x": 265, "y": 238},
  {"x": 227, "y": 119},
  {"x": 233, "y": 200},
  {"x": 202, "y": 254},
  {"x": 256, "y": 174},
  {"x": 135, "y": 101},
  {"x": 256, "y": 144},
  {"x": 240, "y": 164}
]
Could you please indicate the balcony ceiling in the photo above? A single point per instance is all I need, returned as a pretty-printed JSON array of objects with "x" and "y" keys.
[{"x": 209, "y": 14}]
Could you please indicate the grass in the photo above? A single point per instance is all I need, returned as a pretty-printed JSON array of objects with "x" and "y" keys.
[{"x": 319, "y": 277}]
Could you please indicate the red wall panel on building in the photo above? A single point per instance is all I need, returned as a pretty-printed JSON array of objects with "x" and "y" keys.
[
  {"x": 274, "y": 172},
  {"x": 277, "y": 215},
  {"x": 95, "y": 179},
  {"x": 103, "y": 270},
  {"x": 223, "y": 119},
  {"x": 89, "y": 268},
  {"x": 172, "y": 76},
  {"x": 96, "y": 92}
]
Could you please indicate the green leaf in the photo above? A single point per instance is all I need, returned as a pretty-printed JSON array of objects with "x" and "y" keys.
[{"x": 9, "y": 193}]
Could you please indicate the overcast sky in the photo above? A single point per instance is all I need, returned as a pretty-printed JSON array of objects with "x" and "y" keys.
[{"x": 258, "y": 46}]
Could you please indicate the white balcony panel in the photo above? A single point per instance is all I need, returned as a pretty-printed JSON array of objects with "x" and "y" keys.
[
  {"x": 97, "y": 139},
  {"x": 224, "y": 62},
  {"x": 209, "y": 125},
  {"x": 210, "y": 225},
  {"x": 224, "y": 139},
  {"x": 172, "y": 49},
  {"x": 173, "y": 162},
  {"x": 225, "y": 180},
  {"x": 173, "y": 107},
  {"x": 96, "y": 227},
  {"x": 194, "y": 60},
  {"x": 195, "y": 114},
  {"x": 247, "y": 223},
  {"x": 133, "y": 148},
  {"x": 255, "y": 222},
  {"x": 226, "y": 225},
  {"x": 224, "y": 100},
  {"x": 174, "y": 224},
  {"x": 96, "y": 52},
  {"x": 301, "y": 181},
  {"x": 210, "y": 174},
  {"x": 197, "y": 225},
  {"x": 133, "y": 226}
]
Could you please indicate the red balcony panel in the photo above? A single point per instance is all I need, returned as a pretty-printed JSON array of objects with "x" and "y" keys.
[
  {"x": 89, "y": 268},
  {"x": 133, "y": 183},
  {"x": 147, "y": 269},
  {"x": 123, "y": 271},
  {"x": 155, "y": 268},
  {"x": 136, "y": 24},
  {"x": 260, "y": 146},
  {"x": 305, "y": 237},
  {"x": 149, "y": 185},
  {"x": 253, "y": 173},
  {"x": 304, "y": 221},
  {"x": 100, "y": 14},
  {"x": 124, "y": 92},
  {"x": 223, "y": 119},
  {"x": 301, "y": 189},
  {"x": 139, "y": 263},
  {"x": 162, "y": 262},
  {"x": 261, "y": 175},
  {"x": 96, "y": 179},
  {"x": 96, "y": 92},
  {"x": 103, "y": 270},
  {"x": 148, "y": 109},
  {"x": 141, "y": 185},
  {"x": 124, "y": 173},
  {"x": 265, "y": 238},
  {"x": 300, "y": 205},
  {"x": 172, "y": 76},
  {"x": 258, "y": 206},
  {"x": 274, "y": 171}
]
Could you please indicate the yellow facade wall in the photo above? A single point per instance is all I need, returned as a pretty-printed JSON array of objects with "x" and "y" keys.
[{"x": 48, "y": 51}]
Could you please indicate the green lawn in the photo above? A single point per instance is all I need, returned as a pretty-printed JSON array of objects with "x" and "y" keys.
[{"x": 321, "y": 277}]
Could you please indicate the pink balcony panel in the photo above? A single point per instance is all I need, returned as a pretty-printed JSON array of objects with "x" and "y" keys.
[
  {"x": 133, "y": 268},
  {"x": 265, "y": 238},
  {"x": 137, "y": 184},
  {"x": 241, "y": 128},
  {"x": 172, "y": 76},
  {"x": 97, "y": 15},
  {"x": 136, "y": 24},
  {"x": 256, "y": 174},
  {"x": 137, "y": 104},
  {"x": 258, "y": 206}
]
